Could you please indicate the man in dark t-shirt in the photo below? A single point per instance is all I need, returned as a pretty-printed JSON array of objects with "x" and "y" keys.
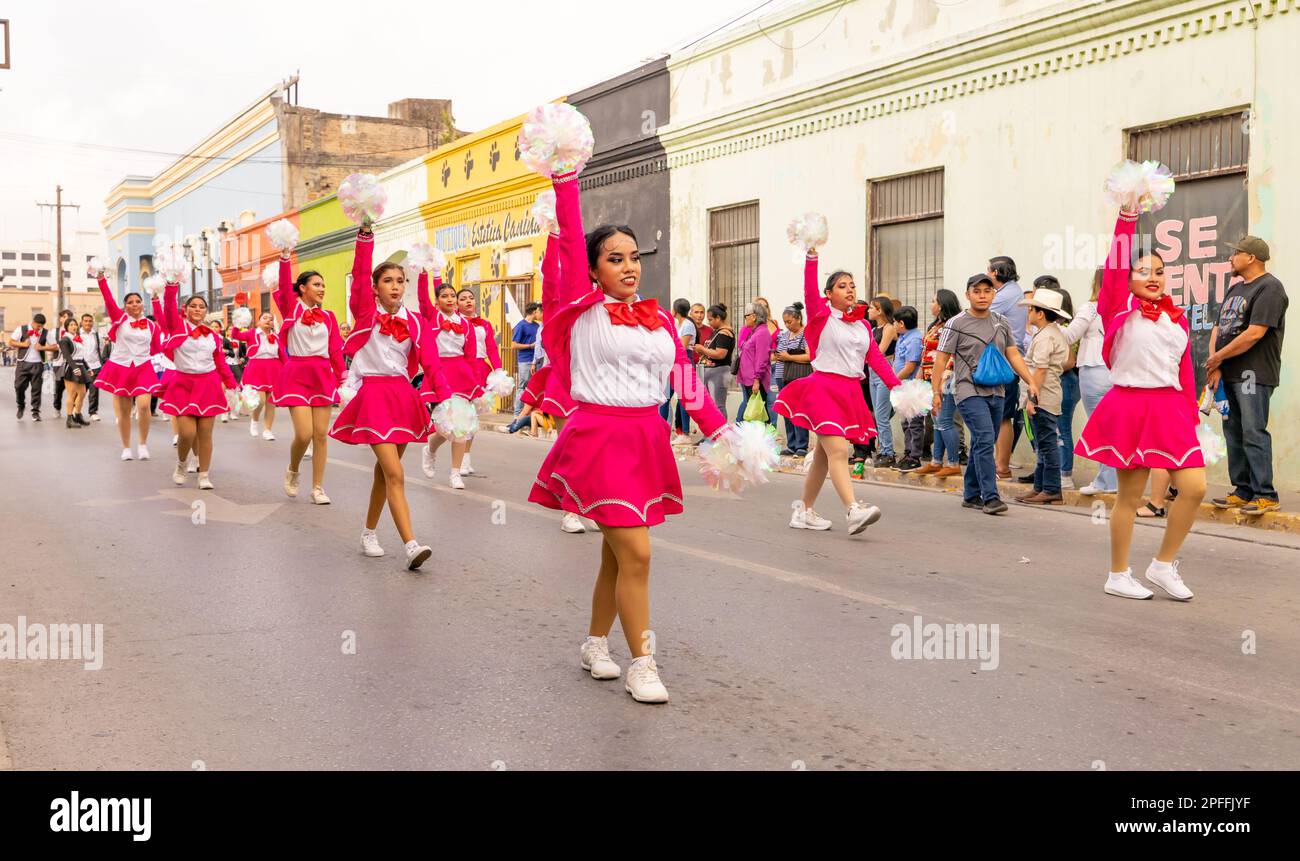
[{"x": 1246, "y": 354}]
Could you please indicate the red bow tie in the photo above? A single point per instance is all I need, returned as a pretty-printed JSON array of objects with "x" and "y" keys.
[
  {"x": 312, "y": 316},
  {"x": 76, "y": 338},
  {"x": 854, "y": 315},
  {"x": 270, "y": 337},
  {"x": 644, "y": 313},
  {"x": 448, "y": 326},
  {"x": 142, "y": 323},
  {"x": 200, "y": 331},
  {"x": 394, "y": 327},
  {"x": 1153, "y": 310}
]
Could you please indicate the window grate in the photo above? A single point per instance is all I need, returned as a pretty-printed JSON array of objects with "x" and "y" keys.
[
  {"x": 905, "y": 237},
  {"x": 733, "y": 256},
  {"x": 1193, "y": 149}
]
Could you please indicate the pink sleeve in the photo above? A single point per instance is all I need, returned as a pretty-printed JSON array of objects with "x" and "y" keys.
[
  {"x": 222, "y": 368},
  {"x": 879, "y": 363},
  {"x": 699, "y": 405},
  {"x": 110, "y": 301},
  {"x": 361, "y": 302},
  {"x": 551, "y": 274},
  {"x": 284, "y": 295},
  {"x": 493, "y": 352},
  {"x": 336, "y": 351},
  {"x": 172, "y": 310},
  {"x": 431, "y": 363},
  {"x": 574, "y": 281},
  {"x": 813, "y": 299},
  {"x": 159, "y": 316},
  {"x": 427, "y": 308},
  {"x": 1114, "y": 292},
  {"x": 245, "y": 335}
]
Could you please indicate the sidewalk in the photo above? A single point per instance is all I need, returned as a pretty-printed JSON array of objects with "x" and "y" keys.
[{"x": 1287, "y": 520}]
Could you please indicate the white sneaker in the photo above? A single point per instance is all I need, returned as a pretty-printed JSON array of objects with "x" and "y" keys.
[
  {"x": 94, "y": 417},
  {"x": 127, "y": 454},
  {"x": 416, "y": 553},
  {"x": 596, "y": 659},
  {"x": 254, "y": 428},
  {"x": 178, "y": 474},
  {"x": 572, "y": 524},
  {"x": 643, "y": 681},
  {"x": 268, "y": 436},
  {"x": 681, "y": 439},
  {"x": 225, "y": 417},
  {"x": 205, "y": 483},
  {"x": 1124, "y": 586},
  {"x": 175, "y": 438},
  {"x": 193, "y": 466},
  {"x": 306, "y": 455},
  {"x": 370, "y": 543},
  {"x": 1067, "y": 481},
  {"x": 426, "y": 461},
  {"x": 1090, "y": 489},
  {"x": 860, "y": 516},
  {"x": 290, "y": 483},
  {"x": 1165, "y": 576},
  {"x": 318, "y": 497},
  {"x": 142, "y": 451},
  {"x": 457, "y": 483},
  {"x": 806, "y": 518}
]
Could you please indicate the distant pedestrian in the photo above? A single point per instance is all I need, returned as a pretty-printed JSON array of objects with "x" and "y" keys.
[
  {"x": 524, "y": 339},
  {"x": 907, "y": 365},
  {"x": 1087, "y": 331},
  {"x": 58, "y": 363},
  {"x": 687, "y": 334},
  {"x": 76, "y": 372},
  {"x": 880, "y": 311},
  {"x": 944, "y": 451},
  {"x": 792, "y": 363},
  {"x": 754, "y": 370},
  {"x": 1048, "y": 353},
  {"x": 33, "y": 343},
  {"x": 715, "y": 356},
  {"x": 1002, "y": 272},
  {"x": 94, "y": 357}
]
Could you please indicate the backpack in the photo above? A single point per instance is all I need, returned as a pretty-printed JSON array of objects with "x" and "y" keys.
[{"x": 993, "y": 369}]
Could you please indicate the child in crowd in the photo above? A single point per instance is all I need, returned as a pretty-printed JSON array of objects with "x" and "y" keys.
[
  {"x": 1048, "y": 353},
  {"x": 907, "y": 362}
]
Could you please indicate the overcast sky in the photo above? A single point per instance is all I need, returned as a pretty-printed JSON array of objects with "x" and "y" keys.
[{"x": 115, "y": 78}]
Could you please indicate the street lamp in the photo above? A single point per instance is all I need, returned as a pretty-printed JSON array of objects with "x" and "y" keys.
[
  {"x": 207, "y": 264},
  {"x": 189, "y": 258}
]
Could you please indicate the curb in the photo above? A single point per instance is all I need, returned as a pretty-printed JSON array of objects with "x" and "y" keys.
[{"x": 1274, "y": 521}]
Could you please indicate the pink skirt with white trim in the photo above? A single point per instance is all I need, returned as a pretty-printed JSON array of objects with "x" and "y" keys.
[
  {"x": 128, "y": 381},
  {"x": 306, "y": 381},
  {"x": 1142, "y": 428},
  {"x": 544, "y": 392},
  {"x": 384, "y": 410},
  {"x": 263, "y": 374},
  {"x": 200, "y": 395},
  {"x": 828, "y": 405},
  {"x": 614, "y": 465},
  {"x": 461, "y": 375}
]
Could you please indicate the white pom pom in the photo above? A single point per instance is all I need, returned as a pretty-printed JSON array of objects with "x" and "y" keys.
[
  {"x": 96, "y": 267},
  {"x": 500, "y": 384},
  {"x": 423, "y": 257},
  {"x": 808, "y": 231},
  {"x": 911, "y": 399},
  {"x": 555, "y": 139},
  {"x": 1150, "y": 182},
  {"x": 544, "y": 212},
  {"x": 242, "y": 317},
  {"x": 485, "y": 404},
  {"x": 283, "y": 234},
  {"x": 271, "y": 276},
  {"x": 742, "y": 455},
  {"x": 251, "y": 397},
  {"x": 362, "y": 197},
  {"x": 456, "y": 419},
  {"x": 348, "y": 390},
  {"x": 170, "y": 263},
  {"x": 155, "y": 284},
  {"x": 1213, "y": 446}
]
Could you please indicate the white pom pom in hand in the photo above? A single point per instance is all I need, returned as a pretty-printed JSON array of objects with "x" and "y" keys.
[
  {"x": 500, "y": 384},
  {"x": 742, "y": 455},
  {"x": 271, "y": 276},
  {"x": 424, "y": 257},
  {"x": 241, "y": 317},
  {"x": 155, "y": 284},
  {"x": 485, "y": 403},
  {"x": 282, "y": 234},
  {"x": 170, "y": 263},
  {"x": 544, "y": 212},
  {"x": 911, "y": 399},
  {"x": 1213, "y": 446},
  {"x": 348, "y": 390},
  {"x": 555, "y": 139},
  {"x": 96, "y": 267},
  {"x": 251, "y": 397},
  {"x": 1147, "y": 185},
  {"x": 362, "y": 198},
  {"x": 456, "y": 419},
  {"x": 808, "y": 231}
]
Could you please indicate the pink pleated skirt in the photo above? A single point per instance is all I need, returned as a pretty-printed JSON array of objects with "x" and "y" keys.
[
  {"x": 263, "y": 374},
  {"x": 462, "y": 377},
  {"x": 1136, "y": 428},
  {"x": 199, "y": 395},
  {"x": 164, "y": 381},
  {"x": 128, "y": 381},
  {"x": 614, "y": 465},
  {"x": 306, "y": 381},
  {"x": 384, "y": 410},
  {"x": 828, "y": 405}
]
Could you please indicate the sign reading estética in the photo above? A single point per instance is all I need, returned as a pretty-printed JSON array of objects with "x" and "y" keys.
[{"x": 487, "y": 231}]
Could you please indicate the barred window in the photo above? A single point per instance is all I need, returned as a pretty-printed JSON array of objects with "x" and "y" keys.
[
  {"x": 905, "y": 237},
  {"x": 733, "y": 256}
]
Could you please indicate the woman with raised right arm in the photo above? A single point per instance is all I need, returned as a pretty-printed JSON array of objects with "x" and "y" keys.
[{"x": 128, "y": 374}]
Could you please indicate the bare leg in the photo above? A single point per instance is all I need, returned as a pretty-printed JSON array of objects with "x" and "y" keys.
[
  {"x": 604, "y": 602},
  {"x": 1160, "y": 480},
  {"x": 320, "y": 428},
  {"x": 262, "y": 403},
  {"x": 837, "y": 462},
  {"x": 203, "y": 442},
  {"x": 122, "y": 409},
  {"x": 1127, "y": 500},
  {"x": 458, "y": 450},
  {"x": 378, "y": 496},
  {"x": 1002, "y": 448},
  {"x": 302, "y": 434},
  {"x": 268, "y": 411},
  {"x": 816, "y": 477},
  {"x": 143, "y": 417},
  {"x": 186, "y": 433},
  {"x": 1182, "y": 511},
  {"x": 390, "y": 461},
  {"x": 631, "y": 548}
]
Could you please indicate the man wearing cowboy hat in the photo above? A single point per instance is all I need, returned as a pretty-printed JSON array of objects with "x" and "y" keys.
[
  {"x": 1246, "y": 354},
  {"x": 1048, "y": 353}
]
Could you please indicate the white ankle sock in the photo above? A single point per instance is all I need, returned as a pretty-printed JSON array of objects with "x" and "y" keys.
[
  {"x": 1162, "y": 566},
  {"x": 411, "y": 545}
]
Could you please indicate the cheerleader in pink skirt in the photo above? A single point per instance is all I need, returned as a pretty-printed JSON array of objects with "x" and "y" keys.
[
  {"x": 389, "y": 346},
  {"x": 458, "y": 357},
  {"x": 164, "y": 367},
  {"x": 128, "y": 375},
  {"x": 829, "y": 401},
  {"x": 262, "y": 371},
  {"x": 311, "y": 350},
  {"x": 1149, "y": 417},
  {"x": 613, "y": 462},
  {"x": 487, "y": 352},
  {"x": 197, "y": 394}
]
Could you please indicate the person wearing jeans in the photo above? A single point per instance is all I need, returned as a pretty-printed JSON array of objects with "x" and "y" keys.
[
  {"x": 1094, "y": 378},
  {"x": 524, "y": 339},
  {"x": 983, "y": 417},
  {"x": 1094, "y": 381}
]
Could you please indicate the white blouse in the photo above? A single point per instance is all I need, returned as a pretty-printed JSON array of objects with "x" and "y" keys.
[
  {"x": 132, "y": 345},
  {"x": 842, "y": 348},
  {"x": 382, "y": 356},
  {"x": 85, "y": 351},
  {"x": 267, "y": 350},
  {"x": 1147, "y": 354},
  {"x": 480, "y": 341},
  {"x": 449, "y": 343},
  {"x": 619, "y": 366},
  {"x": 311, "y": 340},
  {"x": 194, "y": 356}
]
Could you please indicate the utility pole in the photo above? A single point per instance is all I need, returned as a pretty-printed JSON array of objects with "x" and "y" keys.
[{"x": 58, "y": 206}]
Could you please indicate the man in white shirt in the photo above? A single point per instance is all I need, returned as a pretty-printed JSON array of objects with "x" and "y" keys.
[
  {"x": 92, "y": 351},
  {"x": 56, "y": 361},
  {"x": 32, "y": 343}
]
